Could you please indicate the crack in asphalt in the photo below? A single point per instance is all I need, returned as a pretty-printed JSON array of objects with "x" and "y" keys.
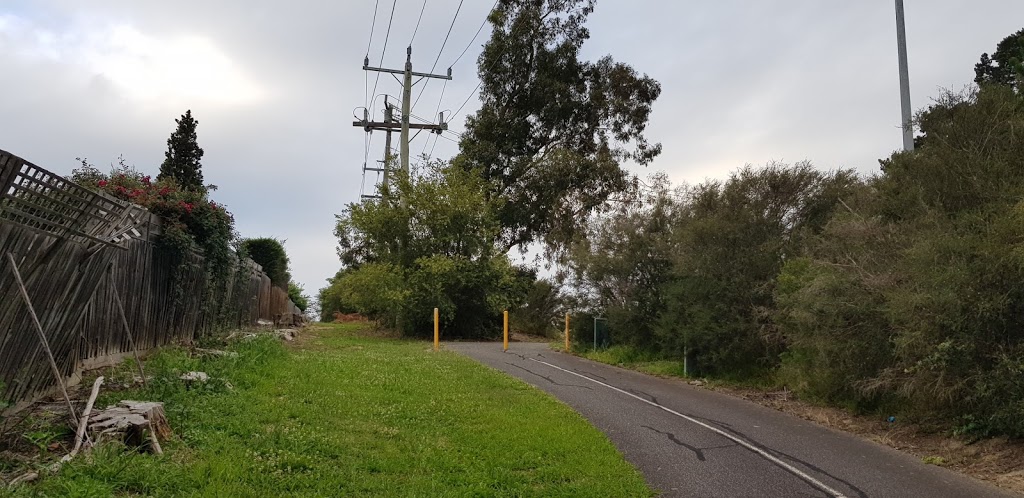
[
  {"x": 709, "y": 421},
  {"x": 699, "y": 452},
  {"x": 549, "y": 379},
  {"x": 594, "y": 375},
  {"x": 780, "y": 454},
  {"x": 641, "y": 393}
]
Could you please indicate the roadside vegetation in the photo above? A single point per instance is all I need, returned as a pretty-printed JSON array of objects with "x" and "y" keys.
[
  {"x": 896, "y": 293},
  {"x": 348, "y": 414}
]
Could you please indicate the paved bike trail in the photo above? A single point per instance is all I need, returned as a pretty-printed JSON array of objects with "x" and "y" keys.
[{"x": 688, "y": 441}]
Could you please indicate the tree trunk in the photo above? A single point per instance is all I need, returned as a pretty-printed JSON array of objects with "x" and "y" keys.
[{"x": 138, "y": 424}]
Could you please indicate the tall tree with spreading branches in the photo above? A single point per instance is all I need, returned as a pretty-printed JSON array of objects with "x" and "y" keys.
[{"x": 553, "y": 130}]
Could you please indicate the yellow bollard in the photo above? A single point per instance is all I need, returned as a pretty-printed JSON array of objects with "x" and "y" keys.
[
  {"x": 566, "y": 332},
  {"x": 506, "y": 331},
  {"x": 437, "y": 334}
]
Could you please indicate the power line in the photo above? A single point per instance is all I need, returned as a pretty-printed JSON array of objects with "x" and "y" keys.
[
  {"x": 426, "y": 143},
  {"x": 491, "y": 66},
  {"x": 372, "y": 26},
  {"x": 439, "y": 52},
  {"x": 443, "y": 88},
  {"x": 449, "y": 139},
  {"x": 436, "y": 112},
  {"x": 432, "y": 148},
  {"x": 421, "y": 118},
  {"x": 481, "y": 28},
  {"x": 471, "y": 94},
  {"x": 457, "y": 59},
  {"x": 416, "y": 30},
  {"x": 384, "y": 50},
  {"x": 366, "y": 76}
]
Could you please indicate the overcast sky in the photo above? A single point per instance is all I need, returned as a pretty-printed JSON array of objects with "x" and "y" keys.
[{"x": 274, "y": 86}]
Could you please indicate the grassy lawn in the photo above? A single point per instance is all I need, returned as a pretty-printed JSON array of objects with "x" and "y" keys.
[{"x": 345, "y": 414}]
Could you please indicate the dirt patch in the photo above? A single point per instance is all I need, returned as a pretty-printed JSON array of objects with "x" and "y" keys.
[
  {"x": 349, "y": 317},
  {"x": 997, "y": 460}
]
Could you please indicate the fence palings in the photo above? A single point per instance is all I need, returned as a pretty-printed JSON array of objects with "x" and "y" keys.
[{"x": 64, "y": 239}]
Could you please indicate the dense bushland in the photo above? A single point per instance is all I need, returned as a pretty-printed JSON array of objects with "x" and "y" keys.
[{"x": 901, "y": 290}]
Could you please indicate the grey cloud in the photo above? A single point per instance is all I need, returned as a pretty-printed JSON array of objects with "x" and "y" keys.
[{"x": 743, "y": 82}]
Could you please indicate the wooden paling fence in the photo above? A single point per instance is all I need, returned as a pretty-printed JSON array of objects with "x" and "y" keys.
[{"x": 79, "y": 253}]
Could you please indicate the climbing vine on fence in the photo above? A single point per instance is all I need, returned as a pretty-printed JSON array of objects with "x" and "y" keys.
[{"x": 192, "y": 222}]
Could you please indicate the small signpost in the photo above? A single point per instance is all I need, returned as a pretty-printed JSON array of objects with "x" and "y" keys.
[{"x": 601, "y": 338}]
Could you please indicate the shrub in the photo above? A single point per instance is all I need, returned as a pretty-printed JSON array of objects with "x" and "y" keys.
[{"x": 427, "y": 244}]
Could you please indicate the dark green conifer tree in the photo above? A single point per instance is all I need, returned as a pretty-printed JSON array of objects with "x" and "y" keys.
[{"x": 183, "y": 155}]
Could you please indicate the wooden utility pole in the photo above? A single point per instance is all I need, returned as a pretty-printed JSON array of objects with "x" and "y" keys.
[
  {"x": 404, "y": 126},
  {"x": 388, "y": 119},
  {"x": 406, "y": 108},
  {"x": 385, "y": 167}
]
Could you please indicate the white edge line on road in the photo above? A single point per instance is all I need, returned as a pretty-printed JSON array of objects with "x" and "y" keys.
[{"x": 816, "y": 483}]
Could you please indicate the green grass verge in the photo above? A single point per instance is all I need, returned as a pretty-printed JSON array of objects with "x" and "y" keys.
[
  {"x": 344, "y": 414},
  {"x": 632, "y": 359}
]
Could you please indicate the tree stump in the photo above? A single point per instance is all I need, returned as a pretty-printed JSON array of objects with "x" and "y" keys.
[{"x": 139, "y": 424}]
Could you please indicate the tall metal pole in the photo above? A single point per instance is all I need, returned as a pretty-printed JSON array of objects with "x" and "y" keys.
[
  {"x": 901, "y": 39},
  {"x": 406, "y": 104}
]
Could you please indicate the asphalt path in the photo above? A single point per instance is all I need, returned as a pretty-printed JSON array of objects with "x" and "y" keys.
[{"x": 689, "y": 441}]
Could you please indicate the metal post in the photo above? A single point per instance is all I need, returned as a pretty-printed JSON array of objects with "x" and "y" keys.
[
  {"x": 506, "y": 331},
  {"x": 406, "y": 104},
  {"x": 595, "y": 333},
  {"x": 901, "y": 40}
]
